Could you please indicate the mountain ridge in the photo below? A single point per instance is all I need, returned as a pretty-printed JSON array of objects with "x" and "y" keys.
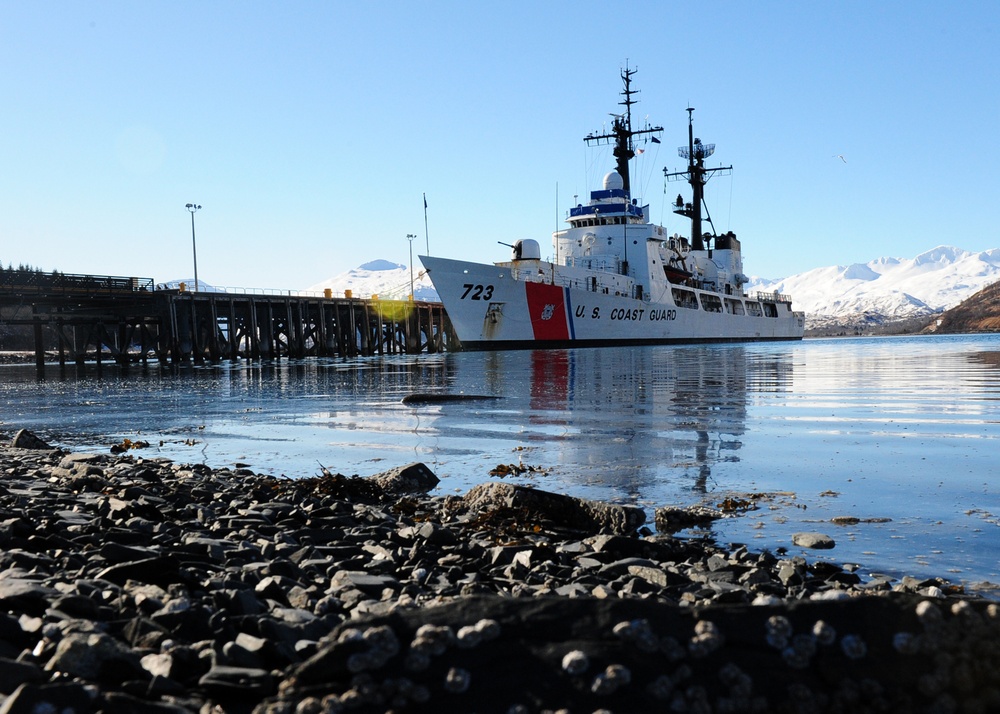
[
  {"x": 883, "y": 290},
  {"x": 888, "y": 288},
  {"x": 383, "y": 278}
]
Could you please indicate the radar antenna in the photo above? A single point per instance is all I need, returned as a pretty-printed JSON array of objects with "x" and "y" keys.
[
  {"x": 621, "y": 133},
  {"x": 697, "y": 176}
]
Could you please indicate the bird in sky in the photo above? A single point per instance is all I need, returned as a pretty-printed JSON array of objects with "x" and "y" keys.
[{"x": 841, "y": 157}]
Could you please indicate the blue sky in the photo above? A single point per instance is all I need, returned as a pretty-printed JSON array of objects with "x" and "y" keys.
[{"x": 309, "y": 131}]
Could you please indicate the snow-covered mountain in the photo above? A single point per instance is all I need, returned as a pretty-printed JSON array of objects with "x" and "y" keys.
[
  {"x": 884, "y": 289},
  {"x": 383, "y": 278},
  {"x": 889, "y": 288}
]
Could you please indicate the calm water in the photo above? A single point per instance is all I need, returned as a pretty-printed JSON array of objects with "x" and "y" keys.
[{"x": 904, "y": 429}]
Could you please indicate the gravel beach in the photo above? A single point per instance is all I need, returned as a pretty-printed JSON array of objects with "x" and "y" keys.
[{"x": 130, "y": 584}]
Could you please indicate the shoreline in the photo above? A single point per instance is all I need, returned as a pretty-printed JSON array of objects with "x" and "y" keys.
[{"x": 133, "y": 584}]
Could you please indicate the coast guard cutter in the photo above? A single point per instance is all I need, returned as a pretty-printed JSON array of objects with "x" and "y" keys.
[{"x": 616, "y": 278}]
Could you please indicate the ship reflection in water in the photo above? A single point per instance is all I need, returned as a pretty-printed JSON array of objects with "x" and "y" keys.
[{"x": 625, "y": 424}]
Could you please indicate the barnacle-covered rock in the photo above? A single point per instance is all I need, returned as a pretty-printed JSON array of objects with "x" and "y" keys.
[
  {"x": 457, "y": 680},
  {"x": 575, "y": 662},
  {"x": 853, "y": 646},
  {"x": 778, "y": 631},
  {"x": 824, "y": 633},
  {"x": 614, "y": 677}
]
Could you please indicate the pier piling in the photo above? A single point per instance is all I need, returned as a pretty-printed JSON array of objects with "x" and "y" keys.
[{"x": 127, "y": 320}]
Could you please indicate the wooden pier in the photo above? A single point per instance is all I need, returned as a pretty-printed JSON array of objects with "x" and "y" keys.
[{"x": 86, "y": 318}]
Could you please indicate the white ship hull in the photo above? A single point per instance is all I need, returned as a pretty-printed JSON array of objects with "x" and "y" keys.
[
  {"x": 493, "y": 307},
  {"x": 616, "y": 278}
]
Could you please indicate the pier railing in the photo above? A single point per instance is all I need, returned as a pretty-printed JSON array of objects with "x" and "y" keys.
[{"x": 31, "y": 281}]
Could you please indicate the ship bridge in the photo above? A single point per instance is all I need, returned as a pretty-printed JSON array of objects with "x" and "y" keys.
[{"x": 611, "y": 201}]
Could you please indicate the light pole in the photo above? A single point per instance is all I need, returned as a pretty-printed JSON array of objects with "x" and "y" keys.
[
  {"x": 194, "y": 246},
  {"x": 410, "y": 237}
]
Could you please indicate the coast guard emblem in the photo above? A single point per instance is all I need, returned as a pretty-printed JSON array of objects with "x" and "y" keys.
[{"x": 548, "y": 310}]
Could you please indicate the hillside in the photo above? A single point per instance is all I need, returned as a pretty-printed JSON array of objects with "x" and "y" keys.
[{"x": 978, "y": 313}]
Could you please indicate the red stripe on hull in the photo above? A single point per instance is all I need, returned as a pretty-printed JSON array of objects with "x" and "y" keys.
[{"x": 547, "y": 310}]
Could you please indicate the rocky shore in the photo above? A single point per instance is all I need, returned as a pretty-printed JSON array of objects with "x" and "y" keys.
[{"x": 130, "y": 584}]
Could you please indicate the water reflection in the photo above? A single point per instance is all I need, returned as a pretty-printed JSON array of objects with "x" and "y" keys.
[
  {"x": 899, "y": 428},
  {"x": 631, "y": 417},
  {"x": 619, "y": 423}
]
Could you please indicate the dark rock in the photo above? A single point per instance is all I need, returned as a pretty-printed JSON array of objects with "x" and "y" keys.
[
  {"x": 813, "y": 540},
  {"x": 242, "y": 602},
  {"x": 411, "y": 478},
  {"x": 435, "y": 534},
  {"x": 844, "y": 578},
  {"x": 24, "y": 559},
  {"x": 12, "y": 633},
  {"x": 621, "y": 546},
  {"x": 563, "y": 510},
  {"x": 716, "y": 562},
  {"x": 144, "y": 633},
  {"x": 727, "y": 592},
  {"x": 117, "y": 553},
  {"x": 16, "y": 528},
  {"x": 237, "y": 655},
  {"x": 670, "y": 519},
  {"x": 365, "y": 582},
  {"x": 25, "y": 439},
  {"x": 618, "y": 567},
  {"x": 656, "y": 576},
  {"x": 273, "y": 588},
  {"x": 77, "y": 606},
  {"x": 13, "y": 674},
  {"x": 180, "y": 664},
  {"x": 754, "y": 577},
  {"x": 638, "y": 587},
  {"x": 162, "y": 570},
  {"x": 572, "y": 590},
  {"x": 95, "y": 656},
  {"x": 65, "y": 698},
  {"x": 189, "y": 624},
  {"x": 119, "y": 703},
  {"x": 24, "y": 596},
  {"x": 702, "y": 574},
  {"x": 80, "y": 462},
  {"x": 235, "y": 683}
]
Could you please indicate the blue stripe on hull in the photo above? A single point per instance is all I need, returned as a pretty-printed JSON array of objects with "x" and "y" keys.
[{"x": 569, "y": 314}]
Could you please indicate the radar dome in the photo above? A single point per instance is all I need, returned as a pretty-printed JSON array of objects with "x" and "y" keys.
[{"x": 612, "y": 181}]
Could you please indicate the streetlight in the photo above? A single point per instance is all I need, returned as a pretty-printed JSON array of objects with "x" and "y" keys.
[
  {"x": 194, "y": 246},
  {"x": 410, "y": 237}
]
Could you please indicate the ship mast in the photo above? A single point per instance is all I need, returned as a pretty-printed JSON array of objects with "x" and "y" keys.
[
  {"x": 697, "y": 176},
  {"x": 622, "y": 133}
]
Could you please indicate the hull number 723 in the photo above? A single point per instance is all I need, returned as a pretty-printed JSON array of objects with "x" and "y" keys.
[{"x": 477, "y": 292}]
